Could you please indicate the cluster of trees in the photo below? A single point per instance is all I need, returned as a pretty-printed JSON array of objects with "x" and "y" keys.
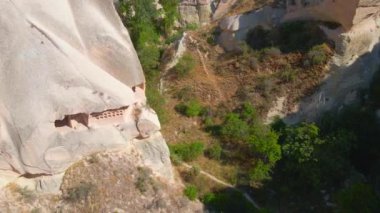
[
  {"x": 251, "y": 144},
  {"x": 339, "y": 155}
]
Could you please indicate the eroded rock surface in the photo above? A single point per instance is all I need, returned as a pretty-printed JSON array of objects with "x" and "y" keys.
[
  {"x": 195, "y": 11},
  {"x": 70, "y": 85}
]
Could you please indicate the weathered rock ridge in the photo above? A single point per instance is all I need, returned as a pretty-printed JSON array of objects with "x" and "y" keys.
[{"x": 70, "y": 85}]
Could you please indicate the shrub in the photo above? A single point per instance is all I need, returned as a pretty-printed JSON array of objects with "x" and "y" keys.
[
  {"x": 190, "y": 109},
  {"x": 184, "y": 66},
  {"x": 234, "y": 128},
  {"x": 215, "y": 151},
  {"x": 194, "y": 108},
  {"x": 260, "y": 172},
  {"x": 176, "y": 160},
  {"x": 79, "y": 192},
  {"x": 187, "y": 151},
  {"x": 264, "y": 142},
  {"x": 254, "y": 63},
  {"x": 272, "y": 52},
  {"x": 191, "y": 192},
  {"x": 185, "y": 94},
  {"x": 248, "y": 112},
  {"x": 318, "y": 54},
  {"x": 266, "y": 86},
  {"x": 192, "y": 174},
  {"x": 191, "y": 26},
  {"x": 143, "y": 179},
  {"x": 288, "y": 74}
]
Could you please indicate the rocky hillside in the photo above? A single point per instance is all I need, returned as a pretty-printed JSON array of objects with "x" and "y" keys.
[
  {"x": 71, "y": 86},
  {"x": 266, "y": 106}
]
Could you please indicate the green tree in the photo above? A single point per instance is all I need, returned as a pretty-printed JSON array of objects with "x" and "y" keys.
[
  {"x": 141, "y": 18},
  {"x": 234, "y": 129},
  {"x": 171, "y": 14},
  {"x": 300, "y": 142}
]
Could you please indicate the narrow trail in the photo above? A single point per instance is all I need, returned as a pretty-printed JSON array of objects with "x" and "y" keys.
[{"x": 212, "y": 177}]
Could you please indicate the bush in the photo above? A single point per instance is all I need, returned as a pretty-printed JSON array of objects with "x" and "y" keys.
[
  {"x": 318, "y": 54},
  {"x": 191, "y": 26},
  {"x": 79, "y": 192},
  {"x": 185, "y": 94},
  {"x": 191, "y": 192},
  {"x": 190, "y": 109},
  {"x": 214, "y": 152},
  {"x": 143, "y": 179},
  {"x": 288, "y": 74},
  {"x": 184, "y": 66},
  {"x": 192, "y": 174},
  {"x": 260, "y": 172},
  {"x": 234, "y": 129},
  {"x": 187, "y": 151},
  {"x": 272, "y": 52}
]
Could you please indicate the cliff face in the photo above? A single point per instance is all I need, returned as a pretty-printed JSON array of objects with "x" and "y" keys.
[
  {"x": 195, "y": 11},
  {"x": 70, "y": 85},
  {"x": 357, "y": 47}
]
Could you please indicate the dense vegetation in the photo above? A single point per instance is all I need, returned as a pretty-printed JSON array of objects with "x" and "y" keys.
[
  {"x": 148, "y": 28},
  {"x": 335, "y": 160},
  {"x": 332, "y": 164}
]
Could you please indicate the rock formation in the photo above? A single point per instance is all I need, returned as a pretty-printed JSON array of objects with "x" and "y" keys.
[
  {"x": 195, "y": 11},
  {"x": 356, "y": 43},
  {"x": 70, "y": 85}
]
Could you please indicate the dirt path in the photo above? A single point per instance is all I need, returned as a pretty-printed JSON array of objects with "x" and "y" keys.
[
  {"x": 212, "y": 177},
  {"x": 210, "y": 75}
]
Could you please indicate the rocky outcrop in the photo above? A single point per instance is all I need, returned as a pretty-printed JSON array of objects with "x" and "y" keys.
[
  {"x": 70, "y": 85},
  {"x": 195, "y": 11},
  {"x": 235, "y": 28},
  {"x": 357, "y": 48},
  {"x": 111, "y": 181}
]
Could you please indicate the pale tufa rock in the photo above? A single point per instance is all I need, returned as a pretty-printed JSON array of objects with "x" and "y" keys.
[{"x": 71, "y": 85}]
